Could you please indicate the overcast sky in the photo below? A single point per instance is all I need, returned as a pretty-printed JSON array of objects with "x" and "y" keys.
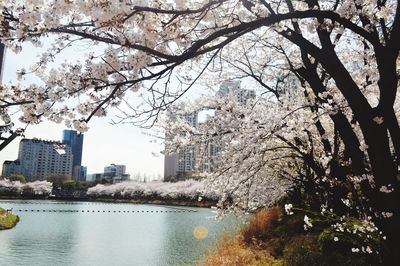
[{"x": 103, "y": 144}]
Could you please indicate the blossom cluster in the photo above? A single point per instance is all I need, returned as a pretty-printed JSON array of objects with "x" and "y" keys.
[
  {"x": 147, "y": 40},
  {"x": 189, "y": 189},
  {"x": 35, "y": 187},
  {"x": 365, "y": 230},
  {"x": 307, "y": 222}
]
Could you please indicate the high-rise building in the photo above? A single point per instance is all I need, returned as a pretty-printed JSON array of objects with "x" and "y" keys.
[
  {"x": 75, "y": 141},
  {"x": 116, "y": 173},
  {"x": 233, "y": 87},
  {"x": 180, "y": 165},
  {"x": 171, "y": 167},
  {"x": 95, "y": 177},
  {"x": 38, "y": 159},
  {"x": 83, "y": 173}
]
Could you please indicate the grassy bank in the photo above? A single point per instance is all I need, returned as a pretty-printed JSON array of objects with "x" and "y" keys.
[
  {"x": 7, "y": 220},
  {"x": 274, "y": 238}
]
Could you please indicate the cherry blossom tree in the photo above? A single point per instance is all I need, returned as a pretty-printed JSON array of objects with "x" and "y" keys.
[
  {"x": 344, "y": 51},
  {"x": 7, "y": 133},
  {"x": 16, "y": 187},
  {"x": 189, "y": 189},
  {"x": 249, "y": 163}
]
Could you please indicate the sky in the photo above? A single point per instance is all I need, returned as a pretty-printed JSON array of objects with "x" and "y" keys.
[{"x": 103, "y": 144}]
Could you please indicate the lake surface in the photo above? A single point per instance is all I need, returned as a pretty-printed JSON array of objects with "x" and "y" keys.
[{"x": 86, "y": 233}]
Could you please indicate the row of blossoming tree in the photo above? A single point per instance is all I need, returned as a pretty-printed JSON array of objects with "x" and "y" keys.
[{"x": 337, "y": 132}]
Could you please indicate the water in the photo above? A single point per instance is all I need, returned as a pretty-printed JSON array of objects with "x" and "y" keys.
[{"x": 142, "y": 235}]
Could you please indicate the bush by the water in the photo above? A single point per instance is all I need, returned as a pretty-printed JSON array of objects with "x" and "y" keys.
[
  {"x": 235, "y": 252},
  {"x": 7, "y": 220},
  {"x": 302, "y": 238},
  {"x": 261, "y": 224}
]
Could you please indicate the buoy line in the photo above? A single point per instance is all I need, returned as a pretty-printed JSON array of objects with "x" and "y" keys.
[
  {"x": 102, "y": 211},
  {"x": 91, "y": 203}
]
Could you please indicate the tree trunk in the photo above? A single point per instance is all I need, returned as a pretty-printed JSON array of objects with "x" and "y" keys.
[
  {"x": 384, "y": 170},
  {"x": 350, "y": 140},
  {"x": 394, "y": 130}
]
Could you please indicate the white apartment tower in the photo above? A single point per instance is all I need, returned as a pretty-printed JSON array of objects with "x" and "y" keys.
[
  {"x": 37, "y": 159},
  {"x": 180, "y": 165}
]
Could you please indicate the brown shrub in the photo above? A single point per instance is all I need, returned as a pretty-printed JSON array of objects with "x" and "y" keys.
[
  {"x": 233, "y": 252},
  {"x": 230, "y": 252},
  {"x": 261, "y": 224}
]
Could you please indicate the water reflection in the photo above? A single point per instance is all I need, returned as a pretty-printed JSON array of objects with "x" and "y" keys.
[
  {"x": 36, "y": 236},
  {"x": 106, "y": 235},
  {"x": 181, "y": 247}
]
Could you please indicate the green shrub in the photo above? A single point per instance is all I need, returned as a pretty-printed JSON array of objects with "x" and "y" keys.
[
  {"x": 337, "y": 246},
  {"x": 302, "y": 250},
  {"x": 7, "y": 220},
  {"x": 69, "y": 184},
  {"x": 17, "y": 177}
]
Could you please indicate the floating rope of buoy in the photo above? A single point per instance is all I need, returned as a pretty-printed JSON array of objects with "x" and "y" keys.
[{"x": 104, "y": 211}]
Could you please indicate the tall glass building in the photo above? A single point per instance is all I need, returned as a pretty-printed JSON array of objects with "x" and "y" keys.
[{"x": 75, "y": 140}]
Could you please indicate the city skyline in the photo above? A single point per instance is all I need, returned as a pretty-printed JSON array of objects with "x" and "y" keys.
[
  {"x": 107, "y": 156},
  {"x": 104, "y": 143}
]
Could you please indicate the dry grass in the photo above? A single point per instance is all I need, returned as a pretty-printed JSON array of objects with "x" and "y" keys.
[
  {"x": 234, "y": 252},
  {"x": 243, "y": 250},
  {"x": 261, "y": 224}
]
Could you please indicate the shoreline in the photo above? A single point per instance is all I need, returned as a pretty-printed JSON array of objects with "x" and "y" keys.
[{"x": 172, "y": 202}]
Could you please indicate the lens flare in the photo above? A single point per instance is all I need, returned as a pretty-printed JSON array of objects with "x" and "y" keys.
[{"x": 200, "y": 232}]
